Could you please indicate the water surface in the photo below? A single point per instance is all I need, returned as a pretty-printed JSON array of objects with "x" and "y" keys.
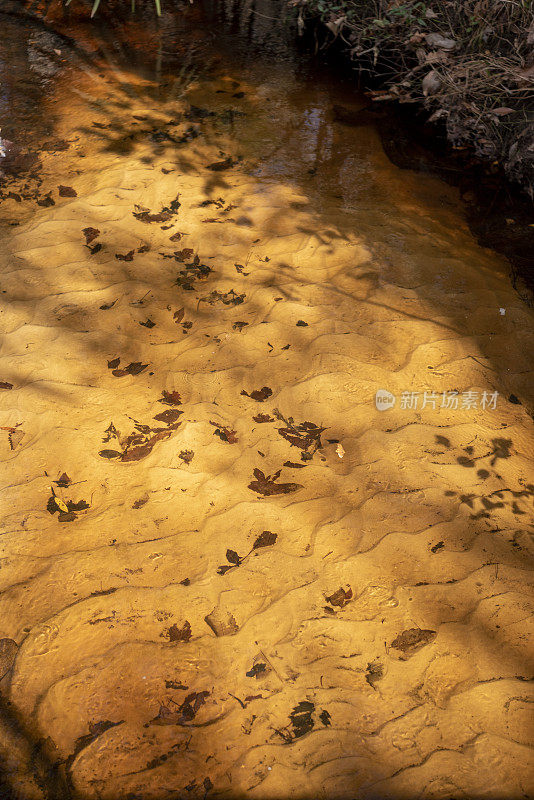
[{"x": 224, "y": 571}]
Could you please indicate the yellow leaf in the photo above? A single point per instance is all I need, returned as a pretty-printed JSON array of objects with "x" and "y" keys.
[{"x": 61, "y": 505}]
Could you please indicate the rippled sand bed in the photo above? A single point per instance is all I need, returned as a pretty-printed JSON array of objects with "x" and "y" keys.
[{"x": 225, "y": 572}]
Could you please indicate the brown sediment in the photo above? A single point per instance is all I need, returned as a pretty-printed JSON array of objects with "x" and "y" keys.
[{"x": 216, "y": 618}]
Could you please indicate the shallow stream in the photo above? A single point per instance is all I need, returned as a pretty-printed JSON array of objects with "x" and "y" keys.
[{"x": 266, "y": 426}]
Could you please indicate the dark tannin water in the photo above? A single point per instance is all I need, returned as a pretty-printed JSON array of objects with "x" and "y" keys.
[{"x": 265, "y": 417}]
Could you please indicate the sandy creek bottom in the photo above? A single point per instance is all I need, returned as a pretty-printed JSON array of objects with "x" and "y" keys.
[{"x": 223, "y": 570}]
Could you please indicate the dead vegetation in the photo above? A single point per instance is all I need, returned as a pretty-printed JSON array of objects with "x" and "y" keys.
[{"x": 469, "y": 62}]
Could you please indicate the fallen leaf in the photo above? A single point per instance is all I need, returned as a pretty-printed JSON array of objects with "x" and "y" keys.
[
  {"x": 238, "y": 326},
  {"x": 90, "y": 234},
  {"x": 178, "y": 315},
  {"x": 258, "y": 394},
  {"x": 222, "y": 623},
  {"x": 374, "y": 672},
  {"x": 81, "y": 505},
  {"x": 170, "y": 398},
  {"x": 140, "y": 503},
  {"x": 134, "y": 368},
  {"x": 46, "y": 201},
  {"x": 182, "y": 634},
  {"x": 67, "y": 191},
  {"x": 63, "y": 480},
  {"x": 301, "y": 718},
  {"x": 266, "y": 484},
  {"x": 147, "y": 216},
  {"x": 187, "y": 456},
  {"x": 61, "y": 505},
  {"x": 412, "y": 640},
  {"x": 340, "y": 597},
  {"x": 148, "y": 324},
  {"x": 232, "y": 557},
  {"x": 5, "y": 385},
  {"x": 263, "y": 418},
  {"x": 15, "y": 437},
  {"x": 114, "y": 363},
  {"x": 110, "y": 454},
  {"x": 265, "y": 539},
  {"x": 257, "y": 669},
  {"x": 219, "y": 166},
  {"x": 127, "y": 257},
  {"x": 186, "y": 712},
  {"x": 169, "y": 416},
  {"x": 183, "y": 255},
  {"x": 225, "y": 434}
]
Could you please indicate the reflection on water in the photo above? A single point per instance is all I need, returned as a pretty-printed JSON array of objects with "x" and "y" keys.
[{"x": 225, "y": 571}]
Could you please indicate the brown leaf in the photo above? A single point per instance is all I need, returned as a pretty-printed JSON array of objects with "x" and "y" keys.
[
  {"x": 134, "y": 368},
  {"x": 138, "y": 452},
  {"x": 169, "y": 416},
  {"x": 5, "y": 385},
  {"x": 183, "y": 255},
  {"x": 69, "y": 517},
  {"x": 90, "y": 234},
  {"x": 140, "y": 503},
  {"x": 63, "y": 480},
  {"x": 225, "y": 434},
  {"x": 259, "y": 394},
  {"x": 81, "y": 505},
  {"x": 67, "y": 191},
  {"x": 182, "y": 634},
  {"x": 266, "y": 484},
  {"x": 147, "y": 216},
  {"x": 127, "y": 257},
  {"x": 110, "y": 454},
  {"x": 171, "y": 398},
  {"x": 114, "y": 363},
  {"x": 340, "y": 597},
  {"x": 221, "y": 622},
  {"x": 263, "y": 418},
  {"x": 15, "y": 437},
  {"x": 185, "y": 713},
  {"x": 187, "y": 456},
  {"x": 294, "y": 465},
  {"x": 46, "y": 201},
  {"x": 265, "y": 539},
  {"x": 238, "y": 326},
  {"x": 233, "y": 557},
  {"x": 148, "y": 324},
  {"x": 178, "y": 315},
  {"x": 412, "y": 640},
  {"x": 219, "y": 166}
]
